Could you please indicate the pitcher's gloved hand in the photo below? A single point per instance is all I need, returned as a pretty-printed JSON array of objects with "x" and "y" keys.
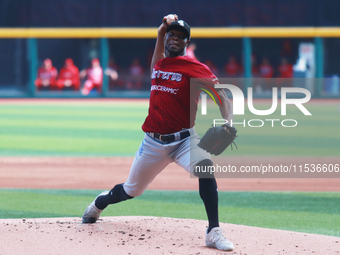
[{"x": 217, "y": 139}]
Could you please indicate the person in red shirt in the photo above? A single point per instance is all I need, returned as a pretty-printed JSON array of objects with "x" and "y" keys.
[
  {"x": 94, "y": 77},
  {"x": 285, "y": 73},
  {"x": 169, "y": 129},
  {"x": 266, "y": 71},
  {"x": 69, "y": 76},
  {"x": 46, "y": 77},
  {"x": 285, "y": 69},
  {"x": 232, "y": 68}
]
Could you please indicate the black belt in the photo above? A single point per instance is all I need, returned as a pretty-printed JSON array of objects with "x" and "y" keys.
[{"x": 171, "y": 137}]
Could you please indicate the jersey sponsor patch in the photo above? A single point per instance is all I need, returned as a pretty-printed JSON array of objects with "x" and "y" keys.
[{"x": 164, "y": 89}]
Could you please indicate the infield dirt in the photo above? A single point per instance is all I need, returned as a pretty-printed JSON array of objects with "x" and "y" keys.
[{"x": 141, "y": 235}]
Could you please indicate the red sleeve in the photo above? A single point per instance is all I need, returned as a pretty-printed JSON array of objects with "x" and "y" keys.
[
  {"x": 203, "y": 71},
  {"x": 75, "y": 71},
  {"x": 206, "y": 81},
  {"x": 101, "y": 78}
]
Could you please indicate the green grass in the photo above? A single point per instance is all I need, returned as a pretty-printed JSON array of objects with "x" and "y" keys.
[
  {"x": 71, "y": 130},
  {"x": 115, "y": 130},
  {"x": 317, "y": 213},
  {"x": 315, "y": 135}
]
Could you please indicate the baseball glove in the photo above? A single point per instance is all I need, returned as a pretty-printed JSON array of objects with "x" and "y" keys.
[{"x": 217, "y": 139}]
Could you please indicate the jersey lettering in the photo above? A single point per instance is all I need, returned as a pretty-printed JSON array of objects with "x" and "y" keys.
[{"x": 166, "y": 75}]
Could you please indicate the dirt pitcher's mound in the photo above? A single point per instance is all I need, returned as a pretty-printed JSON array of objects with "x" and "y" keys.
[{"x": 149, "y": 235}]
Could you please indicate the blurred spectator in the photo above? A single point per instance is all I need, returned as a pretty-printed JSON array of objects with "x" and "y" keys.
[
  {"x": 191, "y": 50},
  {"x": 266, "y": 71},
  {"x": 136, "y": 75},
  {"x": 232, "y": 68},
  {"x": 286, "y": 72},
  {"x": 69, "y": 76},
  {"x": 285, "y": 69},
  {"x": 94, "y": 77},
  {"x": 46, "y": 77},
  {"x": 212, "y": 66}
]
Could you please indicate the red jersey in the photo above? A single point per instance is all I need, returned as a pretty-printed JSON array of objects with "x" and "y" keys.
[
  {"x": 70, "y": 73},
  {"x": 286, "y": 71},
  {"x": 266, "y": 71},
  {"x": 169, "y": 109},
  {"x": 95, "y": 74},
  {"x": 50, "y": 74},
  {"x": 232, "y": 69}
]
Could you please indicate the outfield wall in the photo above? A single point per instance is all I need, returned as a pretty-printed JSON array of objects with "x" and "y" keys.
[{"x": 32, "y": 39}]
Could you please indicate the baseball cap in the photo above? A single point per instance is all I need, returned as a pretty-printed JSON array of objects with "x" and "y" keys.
[{"x": 180, "y": 25}]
